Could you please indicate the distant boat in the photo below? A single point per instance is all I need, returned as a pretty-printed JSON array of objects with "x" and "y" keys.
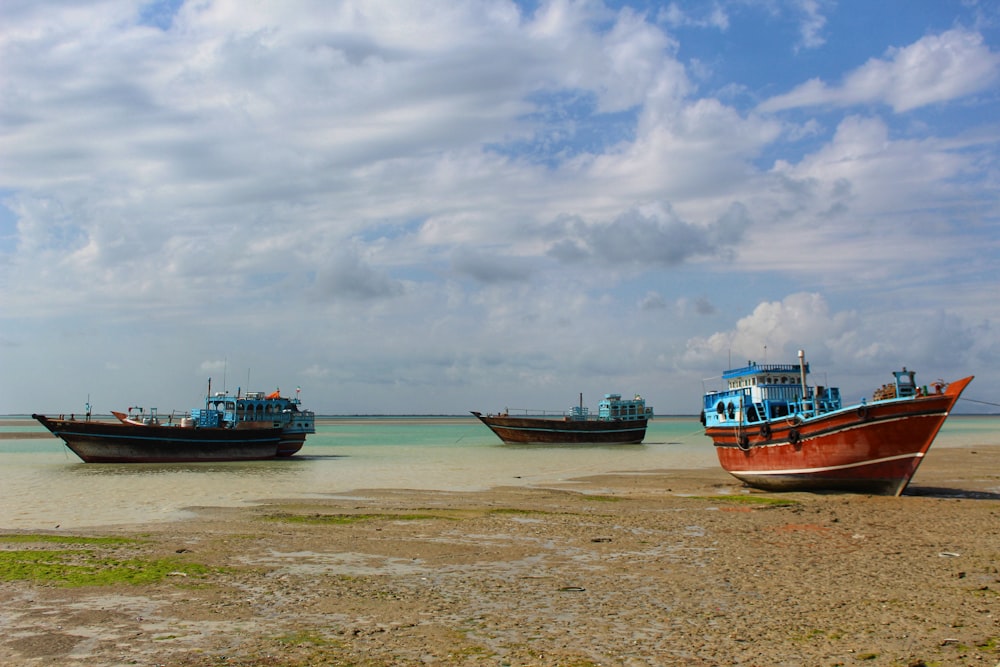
[
  {"x": 618, "y": 422},
  {"x": 773, "y": 431},
  {"x": 244, "y": 427}
]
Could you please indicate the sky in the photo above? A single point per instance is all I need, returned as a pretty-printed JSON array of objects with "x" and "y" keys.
[{"x": 438, "y": 207}]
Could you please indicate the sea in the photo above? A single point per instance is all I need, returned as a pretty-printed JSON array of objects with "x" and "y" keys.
[{"x": 44, "y": 486}]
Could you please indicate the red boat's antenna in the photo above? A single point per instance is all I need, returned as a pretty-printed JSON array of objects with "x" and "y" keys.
[{"x": 802, "y": 372}]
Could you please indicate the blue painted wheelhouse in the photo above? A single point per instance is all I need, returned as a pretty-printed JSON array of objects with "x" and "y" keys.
[
  {"x": 764, "y": 392},
  {"x": 255, "y": 408},
  {"x": 225, "y": 409},
  {"x": 613, "y": 408}
]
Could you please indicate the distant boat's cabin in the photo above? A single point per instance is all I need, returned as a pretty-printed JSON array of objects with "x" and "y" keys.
[{"x": 613, "y": 408}]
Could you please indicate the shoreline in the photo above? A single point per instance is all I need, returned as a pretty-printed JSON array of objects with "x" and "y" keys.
[{"x": 659, "y": 567}]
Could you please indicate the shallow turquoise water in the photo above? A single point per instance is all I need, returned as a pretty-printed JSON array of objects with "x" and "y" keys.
[{"x": 42, "y": 484}]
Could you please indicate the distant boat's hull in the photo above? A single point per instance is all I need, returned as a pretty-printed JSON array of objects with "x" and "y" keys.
[
  {"x": 291, "y": 443},
  {"x": 539, "y": 430},
  {"x": 873, "y": 448},
  {"x": 119, "y": 442}
]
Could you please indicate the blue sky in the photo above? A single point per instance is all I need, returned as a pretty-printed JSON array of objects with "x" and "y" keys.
[{"x": 443, "y": 207}]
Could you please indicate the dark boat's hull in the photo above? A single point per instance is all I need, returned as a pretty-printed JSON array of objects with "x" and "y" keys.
[
  {"x": 116, "y": 442},
  {"x": 539, "y": 430},
  {"x": 874, "y": 448},
  {"x": 291, "y": 443}
]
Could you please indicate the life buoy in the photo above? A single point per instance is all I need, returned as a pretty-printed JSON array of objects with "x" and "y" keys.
[
  {"x": 703, "y": 419},
  {"x": 765, "y": 431},
  {"x": 732, "y": 410},
  {"x": 743, "y": 442},
  {"x": 794, "y": 436},
  {"x": 863, "y": 412}
]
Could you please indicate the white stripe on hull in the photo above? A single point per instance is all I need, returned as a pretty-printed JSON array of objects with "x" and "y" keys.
[{"x": 846, "y": 466}]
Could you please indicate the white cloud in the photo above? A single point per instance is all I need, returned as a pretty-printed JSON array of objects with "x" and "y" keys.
[
  {"x": 714, "y": 16},
  {"x": 936, "y": 68},
  {"x": 849, "y": 348},
  {"x": 812, "y": 23}
]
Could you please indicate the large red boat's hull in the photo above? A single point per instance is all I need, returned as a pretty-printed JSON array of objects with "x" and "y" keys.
[
  {"x": 541, "y": 430},
  {"x": 124, "y": 442},
  {"x": 874, "y": 448}
]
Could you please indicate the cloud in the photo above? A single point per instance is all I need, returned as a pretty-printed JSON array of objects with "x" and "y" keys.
[
  {"x": 781, "y": 326},
  {"x": 936, "y": 68},
  {"x": 652, "y": 301},
  {"x": 651, "y": 236},
  {"x": 491, "y": 268},
  {"x": 858, "y": 347},
  {"x": 212, "y": 366},
  {"x": 519, "y": 183},
  {"x": 675, "y": 16},
  {"x": 347, "y": 276},
  {"x": 703, "y": 306},
  {"x": 813, "y": 21}
]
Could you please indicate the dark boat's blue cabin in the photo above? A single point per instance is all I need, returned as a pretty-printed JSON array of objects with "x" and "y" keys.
[{"x": 613, "y": 408}]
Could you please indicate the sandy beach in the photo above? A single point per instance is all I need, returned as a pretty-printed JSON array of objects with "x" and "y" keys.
[{"x": 663, "y": 568}]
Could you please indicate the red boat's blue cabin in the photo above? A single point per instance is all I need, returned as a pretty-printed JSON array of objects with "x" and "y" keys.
[{"x": 762, "y": 392}]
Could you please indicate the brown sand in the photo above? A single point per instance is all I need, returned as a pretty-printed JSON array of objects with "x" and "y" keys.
[{"x": 648, "y": 569}]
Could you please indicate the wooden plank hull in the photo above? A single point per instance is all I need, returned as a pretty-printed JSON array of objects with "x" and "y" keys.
[
  {"x": 291, "y": 443},
  {"x": 118, "y": 442},
  {"x": 874, "y": 448},
  {"x": 539, "y": 430}
]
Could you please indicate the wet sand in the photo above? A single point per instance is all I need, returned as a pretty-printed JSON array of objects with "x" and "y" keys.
[{"x": 663, "y": 568}]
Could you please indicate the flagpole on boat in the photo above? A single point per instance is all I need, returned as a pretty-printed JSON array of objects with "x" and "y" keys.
[{"x": 802, "y": 372}]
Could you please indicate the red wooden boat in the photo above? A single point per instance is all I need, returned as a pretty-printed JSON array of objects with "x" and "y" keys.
[{"x": 773, "y": 431}]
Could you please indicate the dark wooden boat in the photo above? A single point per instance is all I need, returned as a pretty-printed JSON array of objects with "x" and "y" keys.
[
  {"x": 96, "y": 441},
  {"x": 241, "y": 412},
  {"x": 775, "y": 432},
  {"x": 618, "y": 422}
]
